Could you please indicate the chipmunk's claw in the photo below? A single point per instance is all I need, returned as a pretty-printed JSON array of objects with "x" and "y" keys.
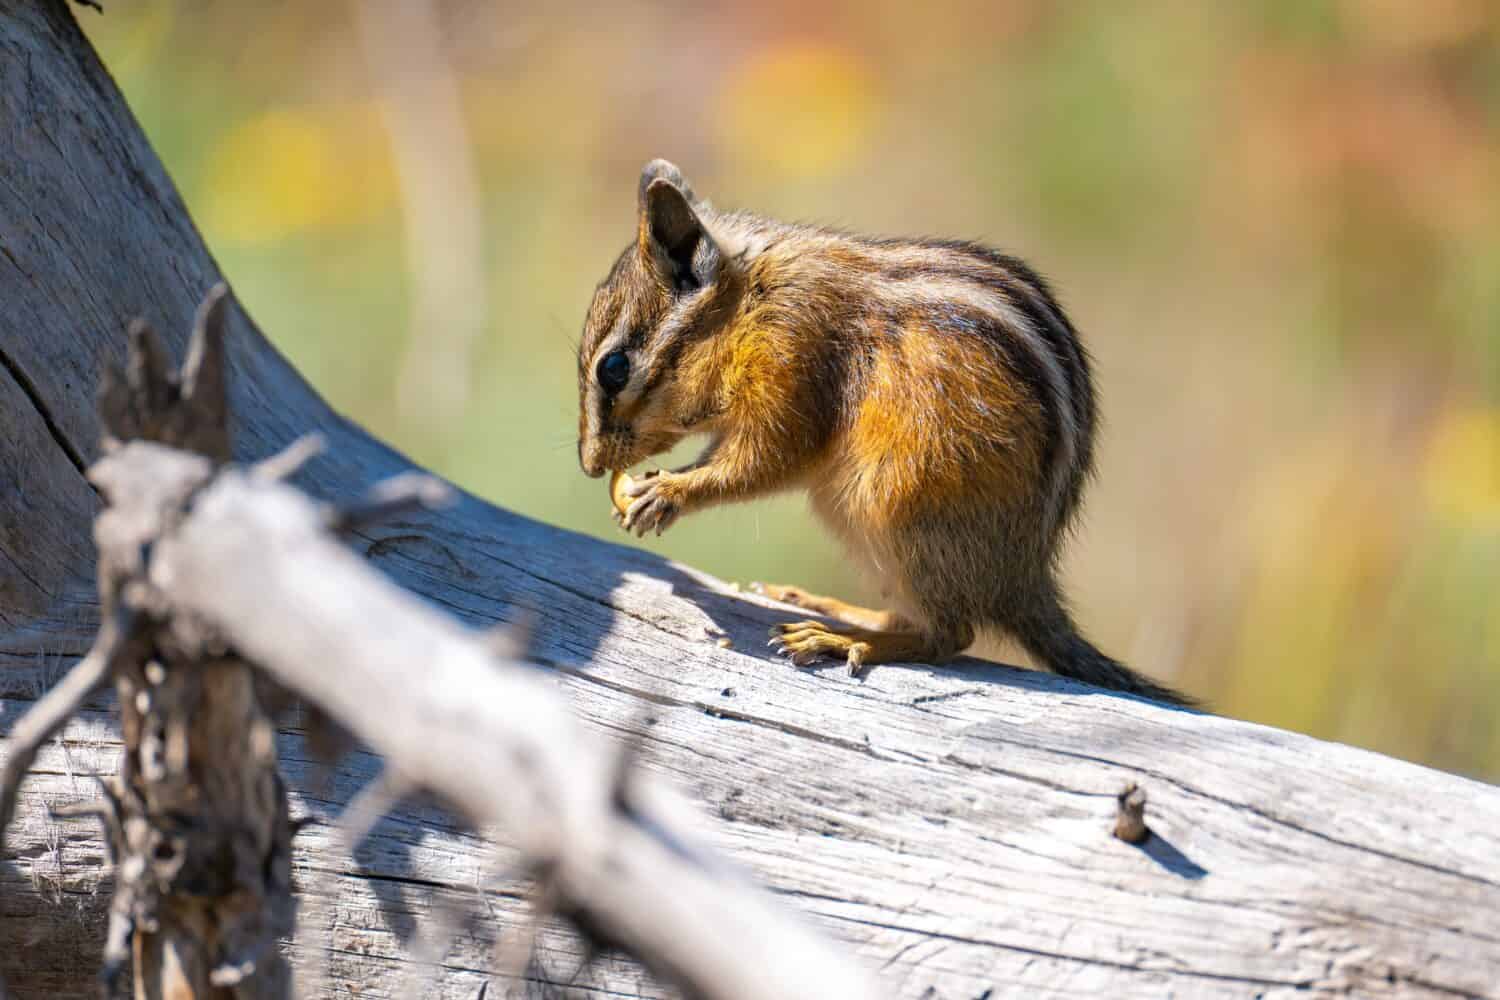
[
  {"x": 656, "y": 505},
  {"x": 807, "y": 642}
]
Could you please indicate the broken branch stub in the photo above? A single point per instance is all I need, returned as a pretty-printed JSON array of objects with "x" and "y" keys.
[
  {"x": 152, "y": 401},
  {"x": 202, "y": 832},
  {"x": 196, "y": 819}
]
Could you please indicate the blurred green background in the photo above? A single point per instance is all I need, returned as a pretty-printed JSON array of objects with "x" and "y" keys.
[{"x": 1276, "y": 222}]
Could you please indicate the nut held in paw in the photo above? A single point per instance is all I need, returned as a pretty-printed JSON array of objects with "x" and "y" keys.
[{"x": 619, "y": 482}]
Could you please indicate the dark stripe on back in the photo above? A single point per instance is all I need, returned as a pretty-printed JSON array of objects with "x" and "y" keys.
[
  {"x": 1029, "y": 294},
  {"x": 1018, "y": 359}
]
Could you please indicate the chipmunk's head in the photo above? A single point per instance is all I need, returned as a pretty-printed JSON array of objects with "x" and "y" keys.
[{"x": 669, "y": 289}]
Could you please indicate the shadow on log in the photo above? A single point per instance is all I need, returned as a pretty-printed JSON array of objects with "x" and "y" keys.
[{"x": 953, "y": 828}]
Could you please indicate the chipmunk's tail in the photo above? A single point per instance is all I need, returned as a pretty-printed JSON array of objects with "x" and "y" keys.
[{"x": 1049, "y": 634}]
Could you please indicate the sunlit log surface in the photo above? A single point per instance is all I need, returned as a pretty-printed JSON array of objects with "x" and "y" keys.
[{"x": 953, "y": 827}]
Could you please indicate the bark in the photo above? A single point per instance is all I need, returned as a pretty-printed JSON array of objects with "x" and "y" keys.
[{"x": 953, "y": 828}]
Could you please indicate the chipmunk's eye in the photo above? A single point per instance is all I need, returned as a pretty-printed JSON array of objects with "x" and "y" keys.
[{"x": 613, "y": 371}]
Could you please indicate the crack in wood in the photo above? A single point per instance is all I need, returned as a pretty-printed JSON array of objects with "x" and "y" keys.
[{"x": 27, "y": 386}]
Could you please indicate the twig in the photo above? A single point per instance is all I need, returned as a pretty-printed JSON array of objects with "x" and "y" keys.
[
  {"x": 430, "y": 943},
  {"x": 51, "y": 712},
  {"x": 515, "y": 954},
  {"x": 511, "y": 640},
  {"x": 408, "y": 491},
  {"x": 285, "y": 463},
  {"x": 383, "y": 793},
  {"x": 55, "y": 708}
]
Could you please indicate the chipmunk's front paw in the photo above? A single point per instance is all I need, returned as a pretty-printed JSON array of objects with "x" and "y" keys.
[
  {"x": 805, "y": 642},
  {"x": 658, "y": 501}
]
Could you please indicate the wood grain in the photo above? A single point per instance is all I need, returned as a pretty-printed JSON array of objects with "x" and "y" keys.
[{"x": 953, "y": 826}]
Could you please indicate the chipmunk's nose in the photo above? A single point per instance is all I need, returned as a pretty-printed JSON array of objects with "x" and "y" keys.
[{"x": 590, "y": 460}]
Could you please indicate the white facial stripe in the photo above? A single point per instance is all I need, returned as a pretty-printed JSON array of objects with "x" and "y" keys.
[
  {"x": 633, "y": 387},
  {"x": 974, "y": 296}
]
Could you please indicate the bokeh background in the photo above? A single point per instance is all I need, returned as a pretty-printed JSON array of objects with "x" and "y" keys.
[{"x": 1277, "y": 223}]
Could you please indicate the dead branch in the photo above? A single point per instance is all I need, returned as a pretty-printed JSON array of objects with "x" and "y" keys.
[
  {"x": 253, "y": 561},
  {"x": 951, "y": 826}
]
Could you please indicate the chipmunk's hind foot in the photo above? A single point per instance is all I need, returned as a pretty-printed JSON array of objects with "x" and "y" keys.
[
  {"x": 849, "y": 614},
  {"x": 806, "y": 642}
]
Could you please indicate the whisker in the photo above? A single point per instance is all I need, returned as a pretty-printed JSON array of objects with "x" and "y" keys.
[{"x": 571, "y": 340}]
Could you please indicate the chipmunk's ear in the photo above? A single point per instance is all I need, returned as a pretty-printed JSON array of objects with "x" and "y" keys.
[
  {"x": 672, "y": 238},
  {"x": 664, "y": 170}
]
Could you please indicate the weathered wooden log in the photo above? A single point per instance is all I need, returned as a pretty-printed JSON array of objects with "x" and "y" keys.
[{"x": 954, "y": 826}]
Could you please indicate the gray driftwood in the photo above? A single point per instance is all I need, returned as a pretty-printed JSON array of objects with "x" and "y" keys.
[{"x": 952, "y": 827}]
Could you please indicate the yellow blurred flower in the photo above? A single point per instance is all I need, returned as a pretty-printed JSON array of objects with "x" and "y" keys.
[
  {"x": 799, "y": 109},
  {"x": 286, "y": 170},
  {"x": 1463, "y": 464}
]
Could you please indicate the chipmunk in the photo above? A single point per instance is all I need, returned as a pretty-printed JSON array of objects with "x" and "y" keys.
[{"x": 930, "y": 396}]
